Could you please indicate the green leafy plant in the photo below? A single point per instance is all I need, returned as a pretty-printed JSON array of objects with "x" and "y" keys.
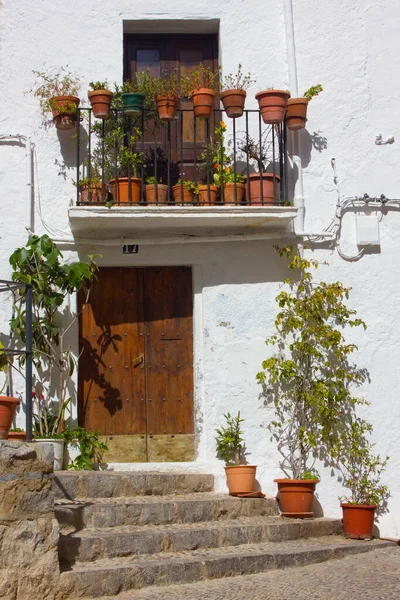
[
  {"x": 229, "y": 439},
  {"x": 237, "y": 81},
  {"x": 308, "y": 379},
  {"x": 55, "y": 82},
  {"x": 39, "y": 264},
  {"x": 167, "y": 84},
  {"x": 17, "y": 430},
  {"x": 152, "y": 180},
  {"x": 313, "y": 91},
  {"x": 129, "y": 159},
  {"x": 91, "y": 449},
  {"x": 202, "y": 77},
  {"x": 191, "y": 185},
  {"x": 98, "y": 85},
  {"x": 361, "y": 468}
]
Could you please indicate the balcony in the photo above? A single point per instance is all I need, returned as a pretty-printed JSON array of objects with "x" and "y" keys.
[{"x": 138, "y": 175}]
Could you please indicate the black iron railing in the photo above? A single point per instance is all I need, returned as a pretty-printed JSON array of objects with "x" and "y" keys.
[
  {"x": 231, "y": 161},
  {"x": 11, "y": 286}
]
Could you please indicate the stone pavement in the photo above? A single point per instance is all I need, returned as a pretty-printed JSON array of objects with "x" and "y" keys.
[{"x": 373, "y": 575}]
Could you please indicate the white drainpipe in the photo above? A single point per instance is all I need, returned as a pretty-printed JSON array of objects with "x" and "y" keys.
[{"x": 298, "y": 199}]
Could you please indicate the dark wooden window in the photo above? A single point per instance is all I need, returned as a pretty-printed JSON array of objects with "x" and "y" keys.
[{"x": 181, "y": 54}]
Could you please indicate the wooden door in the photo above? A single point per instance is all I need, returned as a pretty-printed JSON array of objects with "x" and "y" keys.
[{"x": 136, "y": 364}]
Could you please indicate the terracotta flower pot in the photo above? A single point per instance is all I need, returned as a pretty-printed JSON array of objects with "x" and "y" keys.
[
  {"x": 229, "y": 193},
  {"x": 182, "y": 194},
  {"x": 120, "y": 189},
  {"x": 17, "y": 435},
  {"x": 167, "y": 105},
  {"x": 152, "y": 194},
  {"x": 92, "y": 193},
  {"x": 101, "y": 103},
  {"x": 208, "y": 194},
  {"x": 358, "y": 520},
  {"x": 240, "y": 478},
  {"x": 133, "y": 103},
  {"x": 8, "y": 406},
  {"x": 64, "y": 111},
  {"x": 272, "y": 104},
  {"x": 296, "y": 497},
  {"x": 269, "y": 185},
  {"x": 203, "y": 102},
  {"x": 233, "y": 102},
  {"x": 296, "y": 113}
]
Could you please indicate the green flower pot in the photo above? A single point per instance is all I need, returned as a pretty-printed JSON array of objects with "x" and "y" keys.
[{"x": 133, "y": 103}]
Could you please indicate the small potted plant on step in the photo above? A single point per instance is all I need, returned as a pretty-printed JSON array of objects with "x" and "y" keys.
[
  {"x": 240, "y": 478},
  {"x": 296, "y": 110},
  {"x": 361, "y": 470},
  {"x": 233, "y": 92},
  {"x": 57, "y": 91},
  {"x": 100, "y": 98},
  {"x": 307, "y": 380}
]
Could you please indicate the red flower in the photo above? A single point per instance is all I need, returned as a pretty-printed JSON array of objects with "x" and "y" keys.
[{"x": 216, "y": 166}]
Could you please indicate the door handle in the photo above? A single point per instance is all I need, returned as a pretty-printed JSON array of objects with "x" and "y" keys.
[{"x": 139, "y": 360}]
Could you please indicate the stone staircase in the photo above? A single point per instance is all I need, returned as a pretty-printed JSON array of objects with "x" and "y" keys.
[{"x": 123, "y": 531}]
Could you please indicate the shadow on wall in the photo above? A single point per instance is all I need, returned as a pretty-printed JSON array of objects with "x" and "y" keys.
[
  {"x": 68, "y": 148},
  {"x": 248, "y": 262}
]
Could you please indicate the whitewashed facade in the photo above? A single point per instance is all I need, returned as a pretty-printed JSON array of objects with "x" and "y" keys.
[{"x": 352, "y": 49}]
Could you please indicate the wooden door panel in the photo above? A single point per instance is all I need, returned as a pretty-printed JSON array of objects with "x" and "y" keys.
[
  {"x": 143, "y": 408},
  {"x": 111, "y": 383},
  {"x": 169, "y": 353}
]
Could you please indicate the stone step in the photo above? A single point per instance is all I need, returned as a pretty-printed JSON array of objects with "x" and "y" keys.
[
  {"x": 112, "y": 484},
  {"x": 91, "y": 545},
  {"x": 159, "y": 510},
  {"x": 370, "y": 575},
  {"x": 110, "y": 577}
]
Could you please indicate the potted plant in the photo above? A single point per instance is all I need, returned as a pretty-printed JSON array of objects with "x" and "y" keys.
[
  {"x": 39, "y": 262},
  {"x": 296, "y": 110},
  {"x": 185, "y": 191},
  {"x": 138, "y": 94},
  {"x": 240, "y": 478},
  {"x": 127, "y": 188},
  {"x": 307, "y": 381},
  {"x": 233, "y": 92},
  {"x": 272, "y": 104},
  {"x": 17, "y": 434},
  {"x": 8, "y": 404},
  {"x": 167, "y": 94},
  {"x": 201, "y": 86},
  {"x": 262, "y": 187},
  {"x": 100, "y": 98},
  {"x": 57, "y": 91},
  {"x": 83, "y": 449},
  {"x": 156, "y": 191},
  {"x": 361, "y": 470},
  {"x": 91, "y": 190},
  {"x": 234, "y": 187}
]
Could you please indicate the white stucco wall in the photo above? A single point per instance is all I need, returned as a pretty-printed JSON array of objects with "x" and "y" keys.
[{"x": 352, "y": 49}]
